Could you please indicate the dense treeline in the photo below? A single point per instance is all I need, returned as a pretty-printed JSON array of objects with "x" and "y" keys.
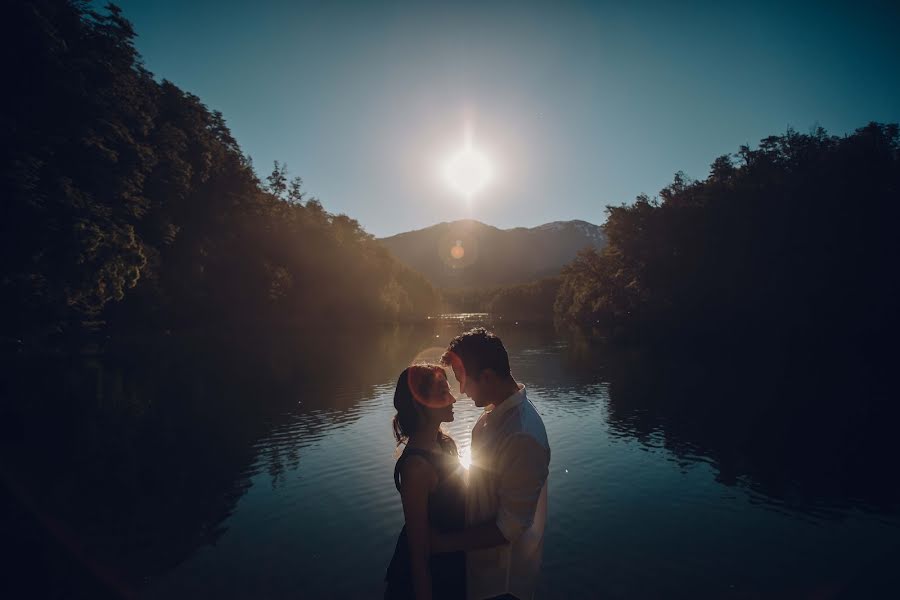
[
  {"x": 129, "y": 204},
  {"x": 525, "y": 302},
  {"x": 467, "y": 300},
  {"x": 792, "y": 239}
]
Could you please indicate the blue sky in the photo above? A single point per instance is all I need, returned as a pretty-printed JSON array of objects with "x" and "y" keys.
[{"x": 577, "y": 105}]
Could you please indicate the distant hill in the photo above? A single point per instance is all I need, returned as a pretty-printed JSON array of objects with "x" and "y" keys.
[{"x": 470, "y": 254}]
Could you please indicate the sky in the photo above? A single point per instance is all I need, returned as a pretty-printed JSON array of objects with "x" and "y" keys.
[{"x": 575, "y": 106}]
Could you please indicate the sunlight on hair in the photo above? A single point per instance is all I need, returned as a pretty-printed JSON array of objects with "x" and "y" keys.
[
  {"x": 429, "y": 355},
  {"x": 432, "y": 355},
  {"x": 429, "y": 385}
]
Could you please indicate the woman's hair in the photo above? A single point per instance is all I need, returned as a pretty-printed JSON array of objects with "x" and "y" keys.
[{"x": 416, "y": 380}]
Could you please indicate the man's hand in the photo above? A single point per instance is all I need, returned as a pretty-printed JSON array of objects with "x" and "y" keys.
[{"x": 473, "y": 538}]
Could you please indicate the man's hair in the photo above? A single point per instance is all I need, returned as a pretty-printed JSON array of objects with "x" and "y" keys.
[{"x": 478, "y": 349}]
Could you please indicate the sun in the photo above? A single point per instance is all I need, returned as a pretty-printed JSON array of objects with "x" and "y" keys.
[{"x": 468, "y": 171}]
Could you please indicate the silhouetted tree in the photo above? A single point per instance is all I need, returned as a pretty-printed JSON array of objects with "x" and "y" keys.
[
  {"x": 790, "y": 240},
  {"x": 129, "y": 202}
]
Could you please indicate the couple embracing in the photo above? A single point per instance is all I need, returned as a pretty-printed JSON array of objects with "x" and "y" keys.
[{"x": 479, "y": 536}]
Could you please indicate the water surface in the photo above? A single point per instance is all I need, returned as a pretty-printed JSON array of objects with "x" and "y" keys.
[{"x": 271, "y": 476}]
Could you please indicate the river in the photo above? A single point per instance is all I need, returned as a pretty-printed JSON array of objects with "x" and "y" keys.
[{"x": 271, "y": 476}]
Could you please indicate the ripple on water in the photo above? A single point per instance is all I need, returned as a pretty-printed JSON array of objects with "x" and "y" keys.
[{"x": 624, "y": 503}]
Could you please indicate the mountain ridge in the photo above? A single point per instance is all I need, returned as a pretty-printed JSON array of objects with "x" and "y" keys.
[{"x": 470, "y": 254}]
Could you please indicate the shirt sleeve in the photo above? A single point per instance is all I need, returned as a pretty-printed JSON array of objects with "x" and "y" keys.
[{"x": 524, "y": 467}]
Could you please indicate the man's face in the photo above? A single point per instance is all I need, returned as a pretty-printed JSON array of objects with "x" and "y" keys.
[{"x": 470, "y": 386}]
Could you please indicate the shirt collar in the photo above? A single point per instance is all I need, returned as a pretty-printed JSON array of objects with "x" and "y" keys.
[{"x": 511, "y": 402}]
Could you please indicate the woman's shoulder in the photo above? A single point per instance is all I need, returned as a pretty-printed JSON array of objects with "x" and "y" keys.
[
  {"x": 416, "y": 456},
  {"x": 436, "y": 457},
  {"x": 415, "y": 464}
]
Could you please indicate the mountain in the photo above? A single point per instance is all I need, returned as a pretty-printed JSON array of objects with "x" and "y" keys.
[{"x": 470, "y": 254}]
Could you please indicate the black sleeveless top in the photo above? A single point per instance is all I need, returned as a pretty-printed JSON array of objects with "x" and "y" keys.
[{"x": 446, "y": 513}]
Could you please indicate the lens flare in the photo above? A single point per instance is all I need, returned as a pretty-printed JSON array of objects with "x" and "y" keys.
[
  {"x": 432, "y": 355},
  {"x": 429, "y": 386},
  {"x": 458, "y": 247}
]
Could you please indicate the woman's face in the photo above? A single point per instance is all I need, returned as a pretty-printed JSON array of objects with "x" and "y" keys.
[{"x": 442, "y": 399}]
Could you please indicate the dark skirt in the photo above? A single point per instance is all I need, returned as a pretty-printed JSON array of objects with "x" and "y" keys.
[{"x": 448, "y": 574}]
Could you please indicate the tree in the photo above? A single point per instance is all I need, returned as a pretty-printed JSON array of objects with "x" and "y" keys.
[
  {"x": 130, "y": 203},
  {"x": 792, "y": 240}
]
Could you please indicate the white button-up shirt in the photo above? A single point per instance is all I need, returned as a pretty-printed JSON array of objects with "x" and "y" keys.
[{"x": 508, "y": 485}]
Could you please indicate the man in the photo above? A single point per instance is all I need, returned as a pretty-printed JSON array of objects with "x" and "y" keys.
[{"x": 506, "y": 504}]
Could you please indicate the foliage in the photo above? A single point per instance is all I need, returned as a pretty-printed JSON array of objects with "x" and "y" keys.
[
  {"x": 526, "y": 302},
  {"x": 467, "y": 300},
  {"x": 129, "y": 202},
  {"x": 790, "y": 239}
]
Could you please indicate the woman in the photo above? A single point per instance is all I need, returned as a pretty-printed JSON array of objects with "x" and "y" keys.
[{"x": 430, "y": 480}]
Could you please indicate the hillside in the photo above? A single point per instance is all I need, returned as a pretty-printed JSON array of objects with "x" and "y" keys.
[{"x": 470, "y": 254}]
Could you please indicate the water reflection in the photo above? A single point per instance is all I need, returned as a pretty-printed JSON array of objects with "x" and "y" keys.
[
  {"x": 807, "y": 435},
  {"x": 139, "y": 458},
  {"x": 190, "y": 469}
]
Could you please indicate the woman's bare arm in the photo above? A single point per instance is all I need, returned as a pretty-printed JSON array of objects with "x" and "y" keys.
[{"x": 417, "y": 478}]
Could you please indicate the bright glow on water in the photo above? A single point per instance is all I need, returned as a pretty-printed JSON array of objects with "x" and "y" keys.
[{"x": 465, "y": 457}]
